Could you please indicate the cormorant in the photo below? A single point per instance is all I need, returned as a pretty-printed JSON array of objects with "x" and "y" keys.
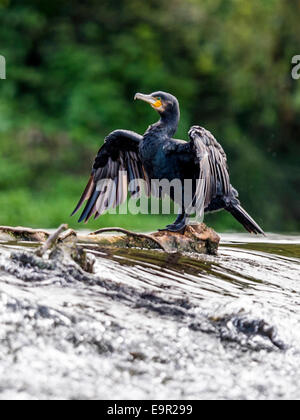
[{"x": 127, "y": 156}]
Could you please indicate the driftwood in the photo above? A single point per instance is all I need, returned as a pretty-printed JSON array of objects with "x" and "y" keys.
[
  {"x": 196, "y": 239},
  {"x": 8, "y": 233},
  {"x": 133, "y": 237},
  {"x": 51, "y": 241}
]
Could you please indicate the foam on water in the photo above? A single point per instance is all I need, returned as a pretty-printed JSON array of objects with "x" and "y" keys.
[{"x": 150, "y": 325}]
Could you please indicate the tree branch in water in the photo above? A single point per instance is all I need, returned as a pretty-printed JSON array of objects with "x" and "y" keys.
[
  {"x": 129, "y": 233},
  {"x": 51, "y": 241}
]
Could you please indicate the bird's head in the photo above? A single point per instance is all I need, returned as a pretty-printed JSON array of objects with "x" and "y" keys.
[{"x": 164, "y": 103}]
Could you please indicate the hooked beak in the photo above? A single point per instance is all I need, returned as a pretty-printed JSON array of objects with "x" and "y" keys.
[{"x": 146, "y": 98}]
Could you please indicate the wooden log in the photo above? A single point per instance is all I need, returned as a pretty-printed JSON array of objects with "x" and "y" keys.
[
  {"x": 196, "y": 238},
  {"x": 8, "y": 233}
]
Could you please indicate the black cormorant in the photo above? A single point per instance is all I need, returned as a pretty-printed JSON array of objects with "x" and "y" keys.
[{"x": 127, "y": 156}]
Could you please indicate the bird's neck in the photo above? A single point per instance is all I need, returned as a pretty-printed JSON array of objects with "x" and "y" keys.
[{"x": 166, "y": 126}]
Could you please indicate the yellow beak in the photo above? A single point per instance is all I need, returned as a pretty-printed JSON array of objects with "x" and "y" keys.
[{"x": 156, "y": 103}]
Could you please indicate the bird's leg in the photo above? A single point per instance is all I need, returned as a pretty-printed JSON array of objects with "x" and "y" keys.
[
  {"x": 177, "y": 227},
  {"x": 178, "y": 220},
  {"x": 179, "y": 224}
]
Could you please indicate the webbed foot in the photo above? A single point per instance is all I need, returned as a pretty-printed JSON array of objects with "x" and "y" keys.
[{"x": 179, "y": 227}]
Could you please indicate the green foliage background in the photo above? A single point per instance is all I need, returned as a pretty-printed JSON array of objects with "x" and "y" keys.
[{"x": 73, "y": 68}]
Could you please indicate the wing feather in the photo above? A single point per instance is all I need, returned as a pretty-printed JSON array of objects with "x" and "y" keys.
[
  {"x": 213, "y": 168},
  {"x": 116, "y": 165}
]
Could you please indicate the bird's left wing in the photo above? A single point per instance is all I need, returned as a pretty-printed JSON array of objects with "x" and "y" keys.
[
  {"x": 212, "y": 165},
  {"x": 116, "y": 166}
]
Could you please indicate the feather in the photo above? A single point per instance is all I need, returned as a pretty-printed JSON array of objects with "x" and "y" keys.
[
  {"x": 86, "y": 194},
  {"x": 89, "y": 206}
]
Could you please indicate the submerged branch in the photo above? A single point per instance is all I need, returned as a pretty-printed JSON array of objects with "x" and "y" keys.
[
  {"x": 129, "y": 233},
  {"x": 51, "y": 241}
]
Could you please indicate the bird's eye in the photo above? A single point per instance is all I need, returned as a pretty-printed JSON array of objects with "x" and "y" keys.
[
  {"x": 159, "y": 98},
  {"x": 158, "y": 103}
]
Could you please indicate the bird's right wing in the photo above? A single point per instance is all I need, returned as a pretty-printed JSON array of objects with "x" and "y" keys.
[{"x": 117, "y": 166}]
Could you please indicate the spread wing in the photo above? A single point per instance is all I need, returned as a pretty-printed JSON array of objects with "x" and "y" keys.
[
  {"x": 117, "y": 166},
  {"x": 213, "y": 166}
]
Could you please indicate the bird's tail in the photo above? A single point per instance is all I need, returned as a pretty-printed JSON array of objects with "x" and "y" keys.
[{"x": 245, "y": 219}]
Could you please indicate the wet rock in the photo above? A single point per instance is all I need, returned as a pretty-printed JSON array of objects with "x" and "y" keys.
[
  {"x": 258, "y": 327},
  {"x": 64, "y": 264},
  {"x": 248, "y": 332},
  {"x": 85, "y": 261},
  {"x": 30, "y": 261},
  {"x": 197, "y": 238}
]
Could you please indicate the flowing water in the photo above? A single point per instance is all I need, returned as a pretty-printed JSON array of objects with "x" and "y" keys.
[{"x": 147, "y": 325}]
